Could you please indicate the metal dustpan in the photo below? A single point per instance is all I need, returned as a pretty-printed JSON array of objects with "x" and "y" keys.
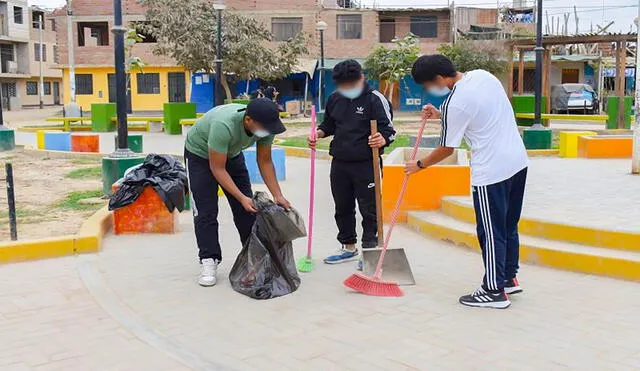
[{"x": 395, "y": 267}]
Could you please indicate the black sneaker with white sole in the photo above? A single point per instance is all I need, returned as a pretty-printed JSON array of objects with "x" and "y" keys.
[
  {"x": 484, "y": 299},
  {"x": 512, "y": 286}
]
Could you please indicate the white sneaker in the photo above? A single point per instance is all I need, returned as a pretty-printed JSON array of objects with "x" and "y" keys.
[{"x": 208, "y": 271}]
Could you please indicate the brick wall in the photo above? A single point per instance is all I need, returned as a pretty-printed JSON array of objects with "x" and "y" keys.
[
  {"x": 357, "y": 48},
  {"x": 274, "y": 5}
]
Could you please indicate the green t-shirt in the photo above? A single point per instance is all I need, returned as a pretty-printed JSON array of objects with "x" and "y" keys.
[{"x": 222, "y": 130}]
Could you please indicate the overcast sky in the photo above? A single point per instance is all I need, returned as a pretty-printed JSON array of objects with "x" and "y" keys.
[{"x": 623, "y": 12}]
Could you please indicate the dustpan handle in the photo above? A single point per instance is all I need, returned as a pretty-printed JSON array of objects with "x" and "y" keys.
[
  {"x": 396, "y": 210},
  {"x": 378, "y": 185}
]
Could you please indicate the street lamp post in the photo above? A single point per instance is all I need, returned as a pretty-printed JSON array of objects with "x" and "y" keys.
[
  {"x": 321, "y": 26},
  {"x": 219, "y": 100},
  {"x": 121, "y": 78},
  {"x": 538, "y": 75},
  {"x": 71, "y": 48},
  {"x": 635, "y": 158}
]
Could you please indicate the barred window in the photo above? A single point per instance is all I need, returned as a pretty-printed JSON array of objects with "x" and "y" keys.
[
  {"x": 84, "y": 84},
  {"x": 32, "y": 88},
  {"x": 148, "y": 83},
  {"x": 284, "y": 29},
  {"x": 47, "y": 88}
]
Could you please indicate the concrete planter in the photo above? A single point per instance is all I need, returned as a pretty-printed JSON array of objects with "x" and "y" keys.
[{"x": 452, "y": 177}]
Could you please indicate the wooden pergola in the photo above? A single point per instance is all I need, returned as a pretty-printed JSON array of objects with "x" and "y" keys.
[{"x": 523, "y": 45}]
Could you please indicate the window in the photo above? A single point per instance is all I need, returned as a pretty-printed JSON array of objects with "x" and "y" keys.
[
  {"x": 35, "y": 19},
  {"x": 53, "y": 25},
  {"x": 84, "y": 84},
  {"x": 47, "y": 88},
  {"x": 284, "y": 29},
  {"x": 349, "y": 26},
  {"x": 17, "y": 15},
  {"x": 93, "y": 33},
  {"x": 56, "y": 59},
  {"x": 387, "y": 30},
  {"x": 32, "y": 88},
  {"x": 425, "y": 26},
  {"x": 148, "y": 83},
  {"x": 11, "y": 89},
  {"x": 36, "y": 52}
]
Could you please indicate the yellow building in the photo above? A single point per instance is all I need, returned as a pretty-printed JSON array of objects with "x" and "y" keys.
[{"x": 149, "y": 90}]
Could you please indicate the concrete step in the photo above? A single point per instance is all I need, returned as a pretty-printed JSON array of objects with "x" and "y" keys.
[
  {"x": 534, "y": 250},
  {"x": 461, "y": 208}
]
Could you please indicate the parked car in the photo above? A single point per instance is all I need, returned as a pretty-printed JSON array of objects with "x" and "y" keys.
[{"x": 574, "y": 98}]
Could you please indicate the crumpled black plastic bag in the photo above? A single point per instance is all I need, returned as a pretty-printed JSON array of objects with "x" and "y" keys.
[
  {"x": 266, "y": 268},
  {"x": 164, "y": 173}
]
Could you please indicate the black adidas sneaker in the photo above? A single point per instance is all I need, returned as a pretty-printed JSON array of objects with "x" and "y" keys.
[
  {"x": 512, "y": 286},
  {"x": 484, "y": 299}
]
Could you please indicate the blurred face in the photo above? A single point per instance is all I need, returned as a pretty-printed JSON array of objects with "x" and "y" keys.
[
  {"x": 255, "y": 127},
  {"x": 352, "y": 89},
  {"x": 438, "y": 87}
]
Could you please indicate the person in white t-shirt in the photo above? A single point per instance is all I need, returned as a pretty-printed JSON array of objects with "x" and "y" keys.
[{"x": 478, "y": 110}]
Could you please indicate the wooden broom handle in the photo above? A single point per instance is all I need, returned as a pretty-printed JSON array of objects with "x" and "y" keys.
[{"x": 378, "y": 186}]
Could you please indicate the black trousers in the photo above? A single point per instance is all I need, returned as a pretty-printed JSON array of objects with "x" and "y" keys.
[
  {"x": 204, "y": 201},
  {"x": 498, "y": 208},
  {"x": 351, "y": 181}
]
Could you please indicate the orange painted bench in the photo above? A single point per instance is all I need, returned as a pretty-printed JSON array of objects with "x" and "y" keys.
[
  {"x": 605, "y": 146},
  {"x": 81, "y": 142},
  {"x": 147, "y": 214},
  {"x": 452, "y": 177}
]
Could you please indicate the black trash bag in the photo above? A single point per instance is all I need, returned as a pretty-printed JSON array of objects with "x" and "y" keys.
[
  {"x": 164, "y": 173},
  {"x": 265, "y": 268}
]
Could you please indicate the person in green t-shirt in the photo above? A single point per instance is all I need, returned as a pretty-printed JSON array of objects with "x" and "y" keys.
[{"x": 213, "y": 155}]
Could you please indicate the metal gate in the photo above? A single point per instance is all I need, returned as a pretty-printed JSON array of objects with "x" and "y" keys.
[
  {"x": 177, "y": 87},
  {"x": 111, "y": 82}
]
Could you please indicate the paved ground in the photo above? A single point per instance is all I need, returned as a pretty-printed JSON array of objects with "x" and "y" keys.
[
  {"x": 136, "y": 306},
  {"x": 594, "y": 193}
]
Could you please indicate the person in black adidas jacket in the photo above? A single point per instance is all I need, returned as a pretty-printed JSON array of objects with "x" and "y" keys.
[{"x": 347, "y": 117}]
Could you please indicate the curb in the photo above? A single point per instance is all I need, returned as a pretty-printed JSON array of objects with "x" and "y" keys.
[
  {"x": 538, "y": 255},
  {"x": 603, "y": 238},
  {"x": 87, "y": 240}
]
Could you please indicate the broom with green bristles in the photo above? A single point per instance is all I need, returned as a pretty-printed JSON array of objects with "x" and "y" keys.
[{"x": 305, "y": 264}]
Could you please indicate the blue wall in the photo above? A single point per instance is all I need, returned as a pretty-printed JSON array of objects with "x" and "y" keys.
[{"x": 413, "y": 96}]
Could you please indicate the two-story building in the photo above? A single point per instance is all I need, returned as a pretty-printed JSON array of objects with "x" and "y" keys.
[{"x": 92, "y": 20}]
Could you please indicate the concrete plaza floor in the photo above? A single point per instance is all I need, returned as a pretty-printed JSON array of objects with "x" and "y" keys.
[{"x": 137, "y": 306}]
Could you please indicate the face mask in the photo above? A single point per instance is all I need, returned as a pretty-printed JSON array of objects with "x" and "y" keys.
[
  {"x": 439, "y": 92},
  {"x": 352, "y": 93},
  {"x": 260, "y": 133}
]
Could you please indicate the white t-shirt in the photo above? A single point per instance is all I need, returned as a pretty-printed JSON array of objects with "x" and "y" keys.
[{"x": 479, "y": 111}]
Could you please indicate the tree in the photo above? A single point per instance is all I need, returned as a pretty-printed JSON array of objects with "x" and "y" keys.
[
  {"x": 468, "y": 56},
  {"x": 188, "y": 36},
  {"x": 392, "y": 64}
]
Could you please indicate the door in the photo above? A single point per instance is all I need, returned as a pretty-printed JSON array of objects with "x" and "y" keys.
[
  {"x": 112, "y": 90},
  {"x": 570, "y": 76},
  {"x": 177, "y": 87},
  {"x": 5, "y": 96},
  {"x": 56, "y": 92}
]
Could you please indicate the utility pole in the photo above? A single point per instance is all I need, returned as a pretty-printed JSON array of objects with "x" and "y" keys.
[
  {"x": 121, "y": 78},
  {"x": 635, "y": 159},
  {"x": 41, "y": 51},
  {"x": 538, "y": 75},
  {"x": 71, "y": 49}
]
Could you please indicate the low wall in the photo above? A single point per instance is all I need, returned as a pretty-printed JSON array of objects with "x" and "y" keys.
[
  {"x": 452, "y": 177},
  {"x": 605, "y": 146}
]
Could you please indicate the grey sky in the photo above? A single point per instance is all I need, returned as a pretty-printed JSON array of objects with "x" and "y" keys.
[{"x": 623, "y": 12}]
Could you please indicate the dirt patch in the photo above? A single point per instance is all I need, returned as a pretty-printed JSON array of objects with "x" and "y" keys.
[{"x": 47, "y": 197}]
